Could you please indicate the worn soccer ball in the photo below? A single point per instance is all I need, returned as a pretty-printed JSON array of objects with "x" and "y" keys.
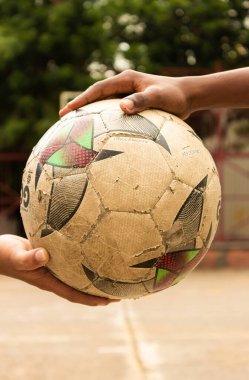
[{"x": 125, "y": 205}]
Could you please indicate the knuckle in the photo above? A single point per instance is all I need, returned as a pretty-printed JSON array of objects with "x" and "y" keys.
[
  {"x": 96, "y": 89},
  {"x": 94, "y": 85},
  {"x": 129, "y": 74},
  {"x": 20, "y": 261},
  {"x": 139, "y": 100}
]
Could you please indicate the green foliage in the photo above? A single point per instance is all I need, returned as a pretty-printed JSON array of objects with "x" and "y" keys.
[{"x": 48, "y": 46}]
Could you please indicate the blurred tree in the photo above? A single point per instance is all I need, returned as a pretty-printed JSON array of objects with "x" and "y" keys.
[
  {"x": 179, "y": 32},
  {"x": 47, "y": 46}
]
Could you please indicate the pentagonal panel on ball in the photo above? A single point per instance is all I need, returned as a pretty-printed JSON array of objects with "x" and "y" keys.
[
  {"x": 130, "y": 174},
  {"x": 188, "y": 158}
]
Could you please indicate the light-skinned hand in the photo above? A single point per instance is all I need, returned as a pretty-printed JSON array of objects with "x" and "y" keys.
[{"x": 20, "y": 261}]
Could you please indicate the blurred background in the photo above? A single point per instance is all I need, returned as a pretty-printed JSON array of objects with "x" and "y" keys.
[{"x": 52, "y": 49}]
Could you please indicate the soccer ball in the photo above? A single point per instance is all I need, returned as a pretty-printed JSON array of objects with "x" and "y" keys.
[{"x": 125, "y": 205}]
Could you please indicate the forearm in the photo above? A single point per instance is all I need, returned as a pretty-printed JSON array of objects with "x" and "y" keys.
[{"x": 228, "y": 89}]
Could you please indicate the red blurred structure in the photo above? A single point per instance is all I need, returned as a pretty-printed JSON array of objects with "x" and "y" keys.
[
  {"x": 11, "y": 165},
  {"x": 233, "y": 167}
]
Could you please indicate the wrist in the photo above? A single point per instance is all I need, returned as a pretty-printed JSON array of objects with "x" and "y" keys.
[
  {"x": 194, "y": 93},
  {"x": 227, "y": 89},
  {"x": 3, "y": 254}
]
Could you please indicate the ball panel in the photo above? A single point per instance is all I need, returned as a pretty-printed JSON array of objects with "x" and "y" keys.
[
  {"x": 190, "y": 215},
  {"x": 70, "y": 146},
  {"x": 190, "y": 266},
  {"x": 132, "y": 180},
  {"x": 211, "y": 209},
  {"x": 123, "y": 239},
  {"x": 116, "y": 120},
  {"x": 101, "y": 105},
  {"x": 119, "y": 289},
  {"x": 35, "y": 197},
  {"x": 86, "y": 217},
  {"x": 100, "y": 141},
  {"x": 155, "y": 118},
  {"x": 170, "y": 117},
  {"x": 65, "y": 198},
  {"x": 60, "y": 129},
  {"x": 99, "y": 127},
  {"x": 180, "y": 226},
  {"x": 186, "y": 153},
  {"x": 167, "y": 208}
]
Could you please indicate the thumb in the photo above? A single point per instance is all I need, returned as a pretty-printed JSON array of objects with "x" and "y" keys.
[
  {"x": 151, "y": 97},
  {"x": 134, "y": 103},
  {"x": 30, "y": 260}
]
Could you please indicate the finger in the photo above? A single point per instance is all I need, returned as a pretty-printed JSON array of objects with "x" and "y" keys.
[
  {"x": 76, "y": 296},
  {"x": 149, "y": 98},
  {"x": 46, "y": 281},
  {"x": 30, "y": 260},
  {"x": 119, "y": 84}
]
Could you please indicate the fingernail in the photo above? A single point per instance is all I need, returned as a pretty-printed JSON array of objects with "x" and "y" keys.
[
  {"x": 41, "y": 255},
  {"x": 128, "y": 103},
  {"x": 62, "y": 111},
  {"x": 110, "y": 301}
]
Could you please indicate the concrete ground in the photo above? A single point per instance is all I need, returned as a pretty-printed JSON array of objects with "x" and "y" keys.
[{"x": 198, "y": 329}]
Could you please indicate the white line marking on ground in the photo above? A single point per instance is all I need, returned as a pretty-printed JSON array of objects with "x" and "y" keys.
[{"x": 146, "y": 354}]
